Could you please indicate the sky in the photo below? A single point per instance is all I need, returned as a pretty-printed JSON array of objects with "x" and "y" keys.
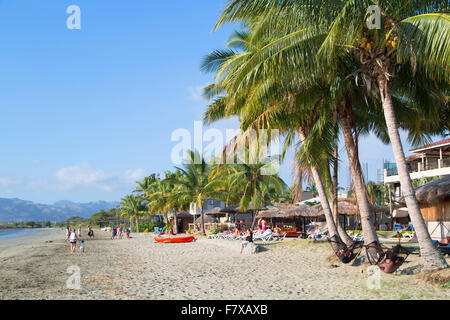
[{"x": 87, "y": 112}]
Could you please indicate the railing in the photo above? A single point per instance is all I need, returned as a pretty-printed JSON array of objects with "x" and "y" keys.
[{"x": 430, "y": 164}]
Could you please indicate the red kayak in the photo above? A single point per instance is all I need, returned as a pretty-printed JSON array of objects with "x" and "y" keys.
[
  {"x": 291, "y": 233},
  {"x": 175, "y": 239}
]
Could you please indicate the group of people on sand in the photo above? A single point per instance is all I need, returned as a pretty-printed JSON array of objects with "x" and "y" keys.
[
  {"x": 262, "y": 227},
  {"x": 74, "y": 235},
  {"x": 117, "y": 232}
]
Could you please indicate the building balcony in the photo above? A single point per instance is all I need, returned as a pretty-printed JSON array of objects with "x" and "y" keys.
[{"x": 428, "y": 169}]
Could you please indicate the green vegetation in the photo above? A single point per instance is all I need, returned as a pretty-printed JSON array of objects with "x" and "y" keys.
[
  {"x": 313, "y": 68},
  {"x": 198, "y": 180},
  {"x": 27, "y": 224}
]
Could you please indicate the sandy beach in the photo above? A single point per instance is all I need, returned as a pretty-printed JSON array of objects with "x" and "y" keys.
[{"x": 139, "y": 268}]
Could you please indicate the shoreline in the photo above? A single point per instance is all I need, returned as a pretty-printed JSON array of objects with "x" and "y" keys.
[{"x": 206, "y": 269}]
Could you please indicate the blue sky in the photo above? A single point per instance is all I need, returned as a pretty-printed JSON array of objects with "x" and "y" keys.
[{"x": 87, "y": 112}]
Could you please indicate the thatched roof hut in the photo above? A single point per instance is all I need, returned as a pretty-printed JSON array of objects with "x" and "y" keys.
[
  {"x": 184, "y": 215},
  {"x": 235, "y": 209},
  {"x": 434, "y": 192},
  {"x": 208, "y": 219},
  {"x": 349, "y": 207},
  {"x": 231, "y": 209},
  {"x": 434, "y": 202},
  {"x": 217, "y": 211},
  {"x": 293, "y": 211}
]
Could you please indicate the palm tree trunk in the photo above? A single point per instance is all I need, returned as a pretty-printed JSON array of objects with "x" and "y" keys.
[
  {"x": 367, "y": 217},
  {"x": 335, "y": 186},
  {"x": 432, "y": 257},
  {"x": 342, "y": 233},
  {"x": 332, "y": 230},
  {"x": 202, "y": 221},
  {"x": 335, "y": 174},
  {"x": 175, "y": 223},
  {"x": 137, "y": 223}
]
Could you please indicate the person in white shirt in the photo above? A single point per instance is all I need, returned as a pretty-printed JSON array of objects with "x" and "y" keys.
[{"x": 73, "y": 240}]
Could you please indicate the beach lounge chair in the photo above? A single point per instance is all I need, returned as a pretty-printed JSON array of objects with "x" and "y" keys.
[
  {"x": 416, "y": 249},
  {"x": 280, "y": 236},
  {"x": 265, "y": 237},
  {"x": 445, "y": 249}
]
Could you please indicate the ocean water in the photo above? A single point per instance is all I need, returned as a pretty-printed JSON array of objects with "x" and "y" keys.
[{"x": 15, "y": 233}]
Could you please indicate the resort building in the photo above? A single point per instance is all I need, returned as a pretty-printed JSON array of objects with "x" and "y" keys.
[
  {"x": 209, "y": 204},
  {"x": 429, "y": 161}
]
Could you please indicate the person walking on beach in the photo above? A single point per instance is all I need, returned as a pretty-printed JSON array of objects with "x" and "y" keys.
[
  {"x": 79, "y": 232},
  {"x": 113, "y": 232},
  {"x": 90, "y": 232},
  {"x": 82, "y": 246},
  {"x": 128, "y": 233},
  {"x": 67, "y": 233},
  {"x": 248, "y": 238},
  {"x": 73, "y": 240},
  {"x": 120, "y": 231}
]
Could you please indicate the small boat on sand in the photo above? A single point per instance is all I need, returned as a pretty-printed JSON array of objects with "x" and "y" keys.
[
  {"x": 175, "y": 239},
  {"x": 291, "y": 233}
]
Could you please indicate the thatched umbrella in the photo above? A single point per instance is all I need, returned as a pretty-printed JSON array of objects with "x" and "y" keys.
[
  {"x": 293, "y": 211},
  {"x": 435, "y": 191},
  {"x": 349, "y": 207},
  {"x": 217, "y": 211},
  {"x": 231, "y": 209}
]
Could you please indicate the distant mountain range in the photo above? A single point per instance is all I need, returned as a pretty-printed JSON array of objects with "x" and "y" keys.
[{"x": 14, "y": 210}]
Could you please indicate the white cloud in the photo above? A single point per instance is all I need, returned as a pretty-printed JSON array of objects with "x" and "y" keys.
[
  {"x": 9, "y": 182},
  {"x": 81, "y": 174},
  {"x": 85, "y": 175},
  {"x": 135, "y": 175}
]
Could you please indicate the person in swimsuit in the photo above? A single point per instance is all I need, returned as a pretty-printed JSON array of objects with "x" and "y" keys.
[
  {"x": 128, "y": 233},
  {"x": 276, "y": 230},
  {"x": 263, "y": 225},
  {"x": 248, "y": 238}
]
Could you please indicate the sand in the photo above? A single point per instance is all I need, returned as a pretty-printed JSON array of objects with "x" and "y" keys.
[{"x": 139, "y": 268}]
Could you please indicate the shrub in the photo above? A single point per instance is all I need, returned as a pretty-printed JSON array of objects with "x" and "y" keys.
[{"x": 213, "y": 231}]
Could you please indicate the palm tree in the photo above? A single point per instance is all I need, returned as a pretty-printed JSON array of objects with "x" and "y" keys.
[
  {"x": 159, "y": 195},
  {"x": 413, "y": 32},
  {"x": 132, "y": 207},
  {"x": 250, "y": 99},
  {"x": 415, "y": 37},
  {"x": 194, "y": 183}
]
